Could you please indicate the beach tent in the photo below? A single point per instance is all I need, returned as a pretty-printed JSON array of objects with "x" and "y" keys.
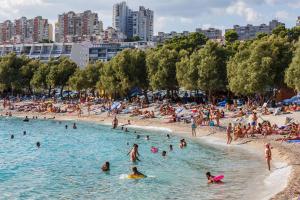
[{"x": 294, "y": 99}]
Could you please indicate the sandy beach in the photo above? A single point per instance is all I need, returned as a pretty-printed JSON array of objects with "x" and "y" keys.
[{"x": 284, "y": 179}]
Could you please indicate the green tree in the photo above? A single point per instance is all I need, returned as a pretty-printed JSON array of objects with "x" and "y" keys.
[
  {"x": 280, "y": 31},
  {"x": 10, "y": 78},
  {"x": 259, "y": 67},
  {"x": 231, "y": 36},
  {"x": 93, "y": 75},
  {"x": 292, "y": 74},
  {"x": 60, "y": 73},
  {"x": 294, "y": 33},
  {"x": 212, "y": 68},
  {"x": 78, "y": 81},
  {"x": 27, "y": 72},
  {"x": 130, "y": 70},
  {"x": 187, "y": 71},
  {"x": 40, "y": 78},
  {"x": 190, "y": 43},
  {"x": 161, "y": 65}
]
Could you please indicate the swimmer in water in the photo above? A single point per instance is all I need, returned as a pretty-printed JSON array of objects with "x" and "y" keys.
[
  {"x": 164, "y": 153},
  {"x": 171, "y": 147},
  {"x": 138, "y": 137},
  {"x": 105, "y": 167},
  {"x": 122, "y": 128},
  {"x": 147, "y": 137},
  {"x": 115, "y": 123},
  {"x": 38, "y": 144},
  {"x": 126, "y": 130},
  {"x": 12, "y": 137},
  {"x": 134, "y": 153},
  {"x": 66, "y": 126},
  {"x": 135, "y": 172},
  {"x": 168, "y": 136},
  {"x": 26, "y": 119},
  {"x": 182, "y": 143},
  {"x": 24, "y": 132},
  {"x": 210, "y": 178},
  {"x": 74, "y": 126}
]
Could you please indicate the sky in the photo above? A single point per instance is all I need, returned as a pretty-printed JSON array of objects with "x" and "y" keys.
[{"x": 169, "y": 15}]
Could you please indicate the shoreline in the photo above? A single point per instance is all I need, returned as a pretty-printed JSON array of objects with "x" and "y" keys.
[{"x": 284, "y": 164}]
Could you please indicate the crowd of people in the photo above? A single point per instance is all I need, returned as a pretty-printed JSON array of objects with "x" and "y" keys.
[{"x": 242, "y": 121}]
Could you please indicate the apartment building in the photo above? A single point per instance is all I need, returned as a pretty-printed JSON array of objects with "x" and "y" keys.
[
  {"x": 250, "y": 31},
  {"x": 24, "y": 30},
  {"x": 133, "y": 23},
  {"x": 211, "y": 33},
  {"x": 78, "y": 27}
]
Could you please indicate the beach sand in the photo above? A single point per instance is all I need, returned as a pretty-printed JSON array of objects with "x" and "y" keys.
[{"x": 284, "y": 179}]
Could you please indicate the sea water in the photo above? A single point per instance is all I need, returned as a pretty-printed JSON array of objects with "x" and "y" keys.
[{"x": 67, "y": 165}]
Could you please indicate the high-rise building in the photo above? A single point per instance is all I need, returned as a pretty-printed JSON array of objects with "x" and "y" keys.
[
  {"x": 133, "y": 23},
  {"x": 24, "y": 30},
  {"x": 250, "y": 32},
  {"x": 77, "y": 27},
  {"x": 298, "y": 21},
  {"x": 142, "y": 23},
  {"x": 50, "y": 32},
  {"x": 7, "y": 30},
  {"x": 121, "y": 13}
]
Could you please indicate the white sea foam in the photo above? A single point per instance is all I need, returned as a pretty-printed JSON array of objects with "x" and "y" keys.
[
  {"x": 152, "y": 128},
  {"x": 277, "y": 180}
]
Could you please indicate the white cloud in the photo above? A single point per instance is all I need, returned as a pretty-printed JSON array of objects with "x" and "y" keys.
[
  {"x": 242, "y": 9},
  {"x": 282, "y": 15},
  {"x": 294, "y": 4},
  {"x": 11, "y": 8},
  {"x": 186, "y": 20}
]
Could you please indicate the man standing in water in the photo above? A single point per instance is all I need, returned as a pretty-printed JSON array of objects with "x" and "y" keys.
[
  {"x": 115, "y": 122},
  {"x": 268, "y": 155},
  {"x": 134, "y": 153}
]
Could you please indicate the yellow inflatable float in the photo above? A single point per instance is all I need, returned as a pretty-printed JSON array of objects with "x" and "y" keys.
[{"x": 133, "y": 176}]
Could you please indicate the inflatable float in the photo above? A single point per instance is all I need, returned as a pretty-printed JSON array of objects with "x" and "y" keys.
[
  {"x": 132, "y": 176},
  {"x": 154, "y": 149},
  {"x": 218, "y": 178}
]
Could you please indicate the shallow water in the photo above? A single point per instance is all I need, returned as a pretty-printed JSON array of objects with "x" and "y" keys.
[{"x": 67, "y": 166}]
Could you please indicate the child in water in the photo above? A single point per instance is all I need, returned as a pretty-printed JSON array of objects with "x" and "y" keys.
[{"x": 211, "y": 178}]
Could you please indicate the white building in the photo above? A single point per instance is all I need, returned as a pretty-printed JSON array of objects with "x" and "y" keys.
[
  {"x": 211, "y": 33},
  {"x": 298, "y": 21},
  {"x": 81, "y": 53},
  {"x": 249, "y": 31},
  {"x": 133, "y": 23},
  {"x": 120, "y": 17}
]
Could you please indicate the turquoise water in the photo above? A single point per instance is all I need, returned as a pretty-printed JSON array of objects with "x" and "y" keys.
[{"x": 67, "y": 166}]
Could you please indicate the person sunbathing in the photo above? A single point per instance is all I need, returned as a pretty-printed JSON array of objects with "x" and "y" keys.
[{"x": 266, "y": 111}]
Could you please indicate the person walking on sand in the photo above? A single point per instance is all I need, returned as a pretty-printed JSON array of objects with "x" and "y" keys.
[
  {"x": 193, "y": 127},
  {"x": 268, "y": 155},
  {"x": 229, "y": 130}
]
